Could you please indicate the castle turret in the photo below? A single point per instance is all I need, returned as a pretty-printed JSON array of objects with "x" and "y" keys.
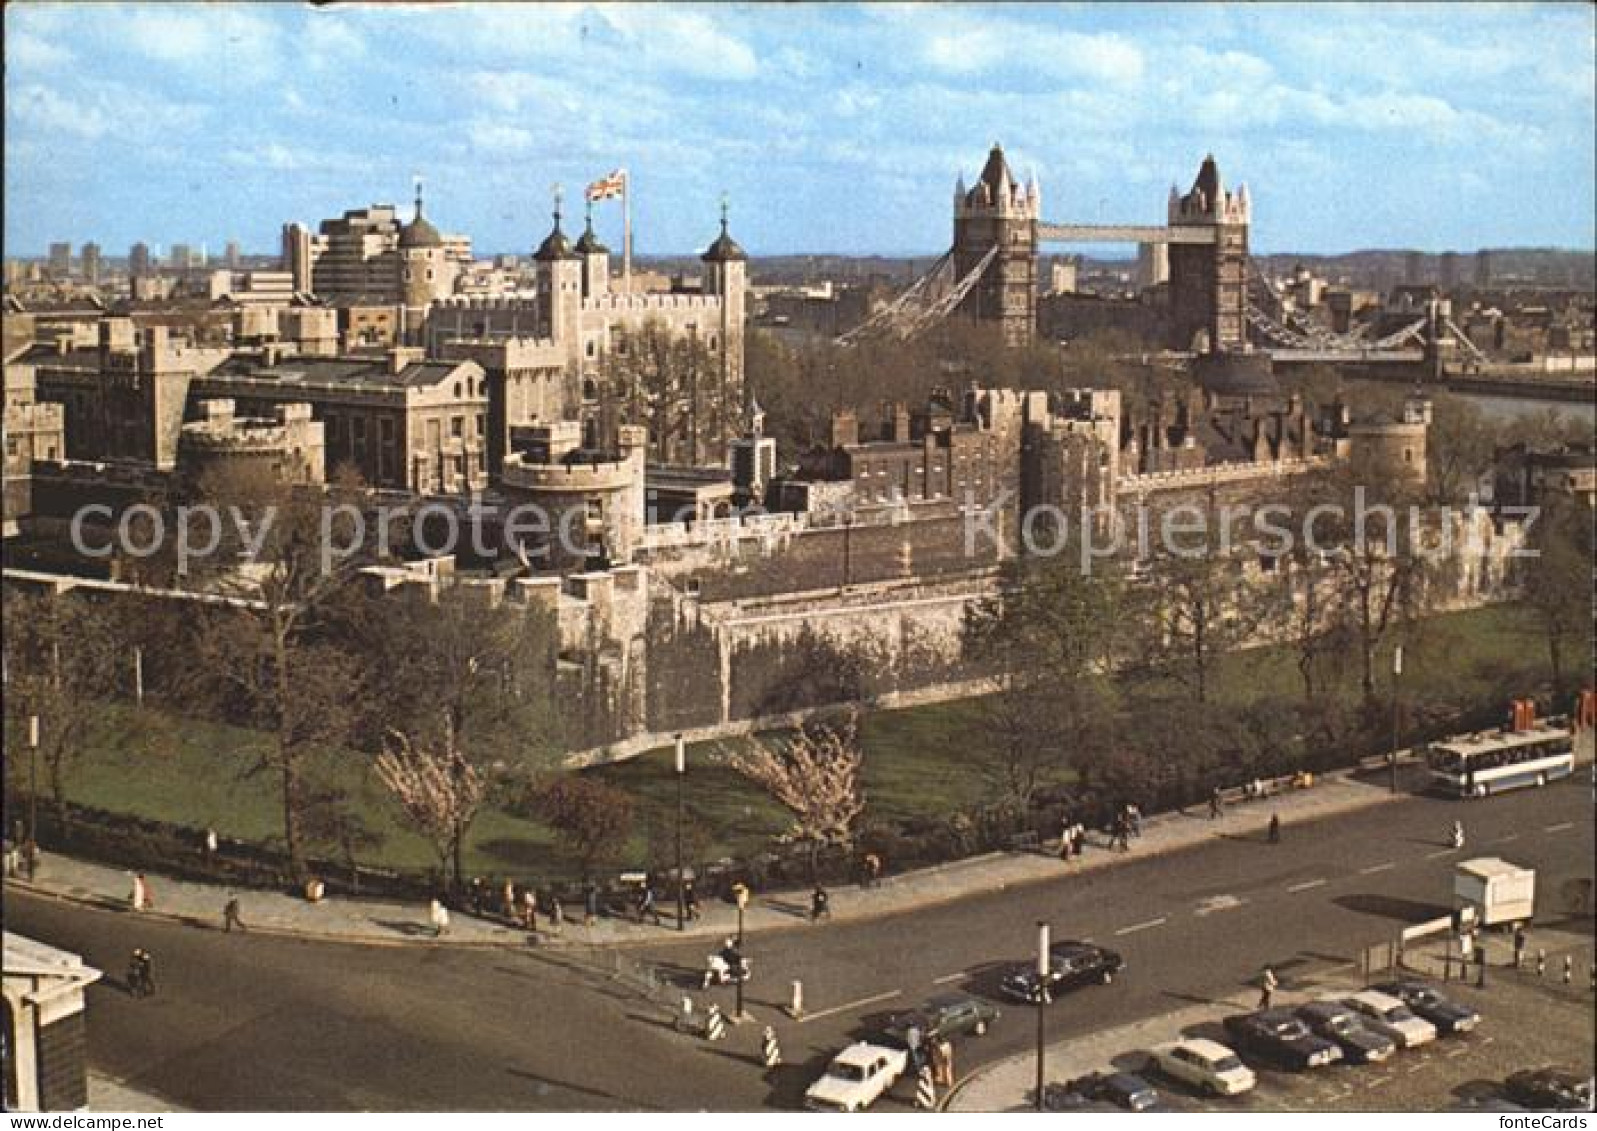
[
  {"x": 426, "y": 274},
  {"x": 726, "y": 277},
  {"x": 559, "y": 275},
  {"x": 997, "y": 213},
  {"x": 595, "y": 260},
  {"x": 1208, "y": 279}
]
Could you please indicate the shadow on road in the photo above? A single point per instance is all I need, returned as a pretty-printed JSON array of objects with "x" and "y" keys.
[{"x": 1392, "y": 907}]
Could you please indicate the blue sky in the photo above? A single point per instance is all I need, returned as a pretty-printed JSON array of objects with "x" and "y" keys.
[{"x": 831, "y": 129}]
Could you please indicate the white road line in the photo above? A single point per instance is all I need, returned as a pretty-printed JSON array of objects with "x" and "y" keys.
[
  {"x": 1374, "y": 868},
  {"x": 1458, "y": 1052},
  {"x": 850, "y": 1005},
  {"x": 1308, "y": 884},
  {"x": 1159, "y": 922},
  {"x": 1440, "y": 852},
  {"x": 1417, "y": 1068},
  {"x": 946, "y": 978},
  {"x": 1560, "y": 827},
  {"x": 1506, "y": 838}
]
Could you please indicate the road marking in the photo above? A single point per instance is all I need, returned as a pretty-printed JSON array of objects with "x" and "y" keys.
[
  {"x": 1374, "y": 868},
  {"x": 946, "y": 978},
  {"x": 1308, "y": 884},
  {"x": 1217, "y": 903},
  {"x": 1421, "y": 1067},
  {"x": 1159, "y": 922},
  {"x": 1457, "y": 1052},
  {"x": 1440, "y": 852},
  {"x": 864, "y": 1001},
  {"x": 1506, "y": 838},
  {"x": 1561, "y": 827}
]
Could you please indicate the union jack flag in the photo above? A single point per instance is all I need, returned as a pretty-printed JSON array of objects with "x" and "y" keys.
[{"x": 606, "y": 187}]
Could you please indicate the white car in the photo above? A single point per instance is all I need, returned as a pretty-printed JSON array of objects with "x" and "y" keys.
[
  {"x": 856, "y": 1078},
  {"x": 1204, "y": 1064},
  {"x": 1389, "y": 1016}
]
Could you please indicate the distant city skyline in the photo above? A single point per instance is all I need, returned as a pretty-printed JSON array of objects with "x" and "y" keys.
[{"x": 832, "y": 131}]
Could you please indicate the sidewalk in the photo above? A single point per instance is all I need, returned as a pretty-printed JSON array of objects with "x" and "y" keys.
[
  {"x": 108, "y": 1094},
  {"x": 393, "y": 923}
]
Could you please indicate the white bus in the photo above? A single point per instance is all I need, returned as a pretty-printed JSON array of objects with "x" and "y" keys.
[{"x": 1476, "y": 765}]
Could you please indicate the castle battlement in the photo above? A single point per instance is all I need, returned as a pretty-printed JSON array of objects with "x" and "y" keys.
[
  {"x": 646, "y": 303},
  {"x": 1219, "y": 474}
]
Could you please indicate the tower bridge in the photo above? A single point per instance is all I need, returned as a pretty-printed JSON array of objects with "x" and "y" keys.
[{"x": 1218, "y": 300}]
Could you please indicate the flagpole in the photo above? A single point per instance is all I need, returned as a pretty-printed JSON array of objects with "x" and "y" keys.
[{"x": 626, "y": 231}]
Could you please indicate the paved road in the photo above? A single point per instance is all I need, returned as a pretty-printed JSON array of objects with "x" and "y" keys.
[{"x": 274, "y": 1023}]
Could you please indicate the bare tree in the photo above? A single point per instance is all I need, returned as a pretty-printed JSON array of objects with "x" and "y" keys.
[
  {"x": 815, "y": 775},
  {"x": 439, "y": 791},
  {"x": 592, "y": 820},
  {"x": 1557, "y": 581}
]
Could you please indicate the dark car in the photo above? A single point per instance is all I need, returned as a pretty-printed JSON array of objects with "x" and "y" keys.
[
  {"x": 1279, "y": 1036},
  {"x": 1123, "y": 1089},
  {"x": 1446, "y": 1014},
  {"x": 1336, "y": 1022},
  {"x": 1071, "y": 964},
  {"x": 946, "y": 1015},
  {"x": 1059, "y": 1097},
  {"x": 1553, "y": 1088}
]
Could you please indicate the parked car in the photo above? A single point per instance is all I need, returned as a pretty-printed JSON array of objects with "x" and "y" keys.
[
  {"x": 1204, "y": 1064},
  {"x": 1126, "y": 1091},
  {"x": 1553, "y": 1088},
  {"x": 1336, "y": 1022},
  {"x": 946, "y": 1015},
  {"x": 1277, "y": 1035},
  {"x": 1446, "y": 1014},
  {"x": 856, "y": 1078},
  {"x": 1060, "y": 1097},
  {"x": 1070, "y": 964},
  {"x": 1388, "y": 1015}
]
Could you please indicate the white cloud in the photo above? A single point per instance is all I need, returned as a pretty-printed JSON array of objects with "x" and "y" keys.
[
  {"x": 212, "y": 38},
  {"x": 33, "y": 52},
  {"x": 499, "y": 137},
  {"x": 681, "y": 39},
  {"x": 46, "y": 110}
]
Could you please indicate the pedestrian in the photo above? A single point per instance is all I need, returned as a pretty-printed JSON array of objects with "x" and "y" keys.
[
  {"x": 478, "y": 897},
  {"x": 439, "y": 915},
  {"x": 647, "y": 905},
  {"x": 140, "y": 898},
  {"x": 1216, "y": 806},
  {"x": 211, "y": 843},
  {"x": 141, "y": 973},
  {"x": 1122, "y": 833},
  {"x": 231, "y": 917},
  {"x": 529, "y": 909},
  {"x": 1267, "y": 985},
  {"x": 943, "y": 1062},
  {"x": 1134, "y": 818},
  {"x": 1078, "y": 839},
  {"x": 873, "y": 870},
  {"x": 820, "y": 905},
  {"x": 30, "y": 858},
  {"x": 912, "y": 1042},
  {"x": 13, "y": 859},
  {"x": 690, "y": 900},
  {"x": 507, "y": 902},
  {"x": 590, "y": 904},
  {"x": 1065, "y": 847},
  {"x": 1274, "y": 833},
  {"x": 1519, "y": 945},
  {"x": 1480, "y": 967},
  {"x": 557, "y": 915}
]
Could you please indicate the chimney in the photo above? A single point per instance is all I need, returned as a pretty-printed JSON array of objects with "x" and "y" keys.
[
  {"x": 845, "y": 428},
  {"x": 900, "y": 420}
]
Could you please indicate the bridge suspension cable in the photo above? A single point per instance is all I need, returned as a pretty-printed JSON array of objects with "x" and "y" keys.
[{"x": 930, "y": 298}]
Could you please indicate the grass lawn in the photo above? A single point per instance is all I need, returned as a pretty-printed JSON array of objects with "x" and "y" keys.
[{"x": 918, "y": 761}]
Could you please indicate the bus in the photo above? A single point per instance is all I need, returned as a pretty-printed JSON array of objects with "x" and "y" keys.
[{"x": 1477, "y": 765}]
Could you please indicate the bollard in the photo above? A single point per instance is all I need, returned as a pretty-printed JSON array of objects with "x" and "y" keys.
[
  {"x": 1541, "y": 963},
  {"x": 772, "y": 1052},
  {"x": 714, "y": 1024},
  {"x": 925, "y": 1090},
  {"x": 795, "y": 1008},
  {"x": 1569, "y": 969}
]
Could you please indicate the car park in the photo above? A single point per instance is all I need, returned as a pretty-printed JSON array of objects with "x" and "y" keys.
[
  {"x": 1336, "y": 1022},
  {"x": 1387, "y": 1014},
  {"x": 856, "y": 1078},
  {"x": 1124, "y": 1090},
  {"x": 1071, "y": 964},
  {"x": 1446, "y": 1014},
  {"x": 946, "y": 1015},
  {"x": 1279, "y": 1036},
  {"x": 1553, "y": 1088},
  {"x": 1204, "y": 1064}
]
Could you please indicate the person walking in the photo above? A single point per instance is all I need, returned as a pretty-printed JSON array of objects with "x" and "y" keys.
[
  {"x": 1066, "y": 848},
  {"x": 529, "y": 909},
  {"x": 943, "y": 1062},
  {"x": 211, "y": 843},
  {"x": 913, "y": 1042},
  {"x": 1267, "y": 985},
  {"x": 647, "y": 905},
  {"x": 1274, "y": 834},
  {"x": 439, "y": 916},
  {"x": 820, "y": 905},
  {"x": 1519, "y": 945},
  {"x": 590, "y": 904},
  {"x": 873, "y": 870},
  {"x": 141, "y": 973},
  {"x": 557, "y": 915},
  {"x": 141, "y": 898},
  {"x": 231, "y": 917},
  {"x": 1216, "y": 805},
  {"x": 1134, "y": 818},
  {"x": 1078, "y": 839},
  {"x": 507, "y": 903},
  {"x": 690, "y": 900}
]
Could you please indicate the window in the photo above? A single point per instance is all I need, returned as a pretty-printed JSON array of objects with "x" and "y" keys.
[
  {"x": 385, "y": 430},
  {"x": 457, "y": 426},
  {"x": 591, "y": 349},
  {"x": 482, "y": 425}
]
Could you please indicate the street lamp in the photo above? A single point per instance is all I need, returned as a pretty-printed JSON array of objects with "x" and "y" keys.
[
  {"x": 682, "y": 771},
  {"x": 1397, "y": 671},
  {"x": 1042, "y": 1000},
  {"x": 33, "y": 779},
  {"x": 741, "y": 891}
]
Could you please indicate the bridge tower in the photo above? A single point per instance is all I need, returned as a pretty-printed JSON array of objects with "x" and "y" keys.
[
  {"x": 999, "y": 212},
  {"x": 1209, "y": 280}
]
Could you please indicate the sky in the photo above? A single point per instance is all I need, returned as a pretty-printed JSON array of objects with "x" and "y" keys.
[{"x": 829, "y": 129}]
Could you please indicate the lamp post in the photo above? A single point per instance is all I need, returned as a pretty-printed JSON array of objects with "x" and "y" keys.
[
  {"x": 682, "y": 771},
  {"x": 742, "y": 892},
  {"x": 1042, "y": 1000},
  {"x": 1397, "y": 671},
  {"x": 33, "y": 779}
]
